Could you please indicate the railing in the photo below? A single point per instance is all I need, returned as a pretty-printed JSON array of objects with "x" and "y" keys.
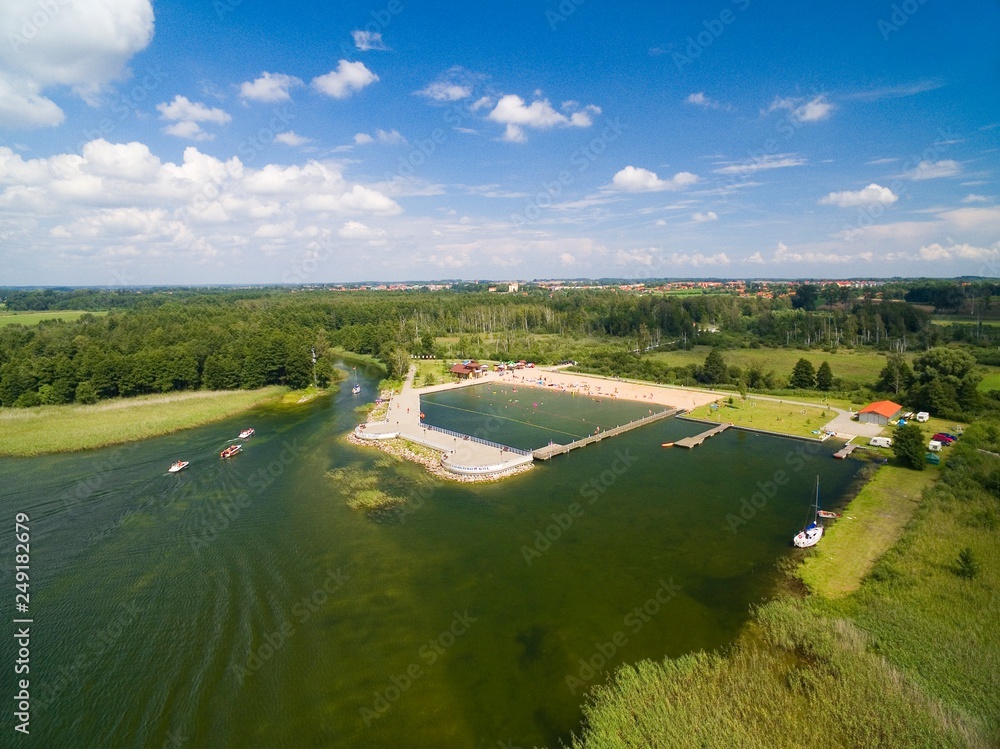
[{"x": 480, "y": 440}]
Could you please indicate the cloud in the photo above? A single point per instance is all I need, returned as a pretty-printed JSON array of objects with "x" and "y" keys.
[
  {"x": 292, "y": 139},
  {"x": 755, "y": 259},
  {"x": 270, "y": 87},
  {"x": 345, "y": 80},
  {"x": 446, "y": 91},
  {"x": 512, "y": 111},
  {"x": 363, "y": 139},
  {"x": 357, "y": 230},
  {"x": 385, "y": 137},
  {"x": 868, "y": 196},
  {"x": 699, "y": 99},
  {"x": 937, "y": 252},
  {"x": 187, "y": 115},
  {"x": 784, "y": 255},
  {"x": 567, "y": 258},
  {"x": 973, "y": 198},
  {"x": 79, "y": 45},
  {"x": 701, "y": 218},
  {"x": 896, "y": 92},
  {"x": 368, "y": 40},
  {"x": 935, "y": 169},
  {"x": 636, "y": 179},
  {"x": 887, "y": 160},
  {"x": 760, "y": 163},
  {"x": 799, "y": 110}
]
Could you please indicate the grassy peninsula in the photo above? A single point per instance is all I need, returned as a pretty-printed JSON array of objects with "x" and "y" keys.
[{"x": 51, "y": 429}]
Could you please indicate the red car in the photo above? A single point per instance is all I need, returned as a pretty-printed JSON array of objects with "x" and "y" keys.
[{"x": 944, "y": 439}]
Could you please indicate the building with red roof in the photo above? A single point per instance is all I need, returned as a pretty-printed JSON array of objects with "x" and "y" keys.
[{"x": 880, "y": 412}]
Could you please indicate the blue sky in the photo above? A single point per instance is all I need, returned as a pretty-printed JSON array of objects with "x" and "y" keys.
[{"x": 229, "y": 141}]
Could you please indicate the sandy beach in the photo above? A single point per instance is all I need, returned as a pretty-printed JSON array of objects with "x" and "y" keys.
[{"x": 596, "y": 387}]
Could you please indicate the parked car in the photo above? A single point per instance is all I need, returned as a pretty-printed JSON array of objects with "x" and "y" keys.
[{"x": 943, "y": 438}]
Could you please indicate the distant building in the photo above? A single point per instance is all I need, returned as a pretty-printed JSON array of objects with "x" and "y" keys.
[
  {"x": 880, "y": 412},
  {"x": 468, "y": 370}
]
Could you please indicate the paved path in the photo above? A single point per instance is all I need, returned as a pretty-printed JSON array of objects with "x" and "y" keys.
[{"x": 462, "y": 455}]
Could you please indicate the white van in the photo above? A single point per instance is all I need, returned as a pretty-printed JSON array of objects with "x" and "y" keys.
[
  {"x": 880, "y": 442},
  {"x": 923, "y": 416},
  {"x": 934, "y": 446}
]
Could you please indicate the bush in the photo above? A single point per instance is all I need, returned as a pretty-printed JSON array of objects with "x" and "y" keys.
[{"x": 968, "y": 566}]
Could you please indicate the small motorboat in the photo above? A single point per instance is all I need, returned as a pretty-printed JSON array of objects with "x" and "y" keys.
[
  {"x": 246, "y": 434},
  {"x": 230, "y": 451},
  {"x": 667, "y": 444},
  {"x": 357, "y": 386},
  {"x": 180, "y": 465},
  {"x": 828, "y": 514}
]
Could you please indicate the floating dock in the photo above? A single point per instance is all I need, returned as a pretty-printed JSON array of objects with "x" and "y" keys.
[
  {"x": 845, "y": 451},
  {"x": 690, "y": 442},
  {"x": 549, "y": 451}
]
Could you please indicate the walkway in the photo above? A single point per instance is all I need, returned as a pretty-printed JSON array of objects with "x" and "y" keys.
[
  {"x": 462, "y": 455},
  {"x": 544, "y": 453},
  {"x": 696, "y": 440}
]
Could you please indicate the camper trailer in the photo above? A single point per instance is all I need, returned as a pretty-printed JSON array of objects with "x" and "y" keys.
[
  {"x": 934, "y": 446},
  {"x": 923, "y": 416},
  {"x": 880, "y": 442}
]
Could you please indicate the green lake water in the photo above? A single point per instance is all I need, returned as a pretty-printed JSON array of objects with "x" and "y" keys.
[{"x": 242, "y": 604}]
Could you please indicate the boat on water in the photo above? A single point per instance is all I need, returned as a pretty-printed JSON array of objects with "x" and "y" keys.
[
  {"x": 246, "y": 434},
  {"x": 357, "y": 387},
  {"x": 230, "y": 451},
  {"x": 813, "y": 532},
  {"x": 179, "y": 465},
  {"x": 828, "y": 514}
]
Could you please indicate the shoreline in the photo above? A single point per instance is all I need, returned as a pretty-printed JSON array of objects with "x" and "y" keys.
[
  {"x": 399, "y": 447},
  {"x": 53, "y": 430}
]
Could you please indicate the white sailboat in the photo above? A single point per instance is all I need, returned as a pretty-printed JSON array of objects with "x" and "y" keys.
[
  {"x": 357, "y": 387},
  {"x": 813, "y": 532}
]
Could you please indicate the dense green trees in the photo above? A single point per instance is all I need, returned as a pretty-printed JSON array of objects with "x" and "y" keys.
[
  {"x": 803, "y": 375},
  {"x": 824, "y": 377},
  {"x": 908, "y": 445}
]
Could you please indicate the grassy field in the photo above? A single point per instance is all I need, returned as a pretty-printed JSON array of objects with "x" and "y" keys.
[
  {"x": 50, "y": 429},
  {"x": 768, "y": 415},
  {"x": 990, "y": 381},
  {"x": 33, "y": 318},
  {"x": 910, "y": 658},
  {"x": 857, "y": 366},
  {"x": 870, "y": 525}
]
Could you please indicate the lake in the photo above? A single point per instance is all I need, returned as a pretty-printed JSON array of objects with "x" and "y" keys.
[{"x": 241, "y": 603}]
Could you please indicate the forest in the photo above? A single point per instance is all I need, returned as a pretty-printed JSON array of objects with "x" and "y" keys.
[{"x": 161, "y": 340}]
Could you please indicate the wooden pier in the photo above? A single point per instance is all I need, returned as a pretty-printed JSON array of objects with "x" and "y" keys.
[
  {"x": 690, "y": 442},
  {"x": 845, "y": 451},
  {"x": 549, "y": 451}
]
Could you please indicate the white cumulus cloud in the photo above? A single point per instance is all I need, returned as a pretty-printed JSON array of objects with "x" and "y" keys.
[
  {"x": 446, "y": 91},
  {"x": 80, "y": 45},
  {"x": 512, "y": 111},
  {"x": 700, "y": 218},
  {"x": 868, "y": 196},
  {"x": 637, "y": 179},
  {"x": 270, "y": 87},
  {"x": 345, "y": 80},
  {"x": 186, "y": 116},
  {"x": 291, "y": 138}
]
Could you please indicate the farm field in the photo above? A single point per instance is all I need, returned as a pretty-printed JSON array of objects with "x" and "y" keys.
[
  {"x": 849, "y": 365},
  {"x": 33, "y": 318}
]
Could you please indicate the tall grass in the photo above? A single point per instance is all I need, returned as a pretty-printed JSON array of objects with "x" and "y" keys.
[
  {"x": 911, "y": 659},
  {"x": 52, "y": 429}
]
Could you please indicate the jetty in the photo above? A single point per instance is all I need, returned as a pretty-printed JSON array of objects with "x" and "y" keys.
[
  {"x": 550, "y": 451},
  {"x": 845, "y": 451},
  {"x": 690, "y": 442}
]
